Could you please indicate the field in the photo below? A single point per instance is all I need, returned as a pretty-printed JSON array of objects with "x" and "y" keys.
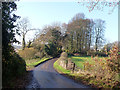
[
  {"x": 119, "y": 53},
  {"x": 79, "y": 61},
  {"x": 96, "y": 76}
]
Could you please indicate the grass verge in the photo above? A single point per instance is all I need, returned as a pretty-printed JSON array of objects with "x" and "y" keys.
[
  {"x": 60, "y": 69},
  {"x": 30, "y": 64},
  {"x": 69, "y": 74},
  {"x": 81, "y": 76}
]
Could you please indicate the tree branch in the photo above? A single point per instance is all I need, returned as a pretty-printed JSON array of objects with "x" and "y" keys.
[{"x": 94, "y": 6}]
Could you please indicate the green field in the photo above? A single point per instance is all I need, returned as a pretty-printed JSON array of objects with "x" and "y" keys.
[
  {"x": 118, "y": 52},
  {"x": 83, "y": 76},
  {"x": 79, "y": 61}
]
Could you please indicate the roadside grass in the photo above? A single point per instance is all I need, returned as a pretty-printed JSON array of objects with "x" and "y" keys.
[
  {"x": 70, "y": 74},
  {"x": 82, "y": 76},
  {"x": 79, "y": 61},
  {"x": 119, "y": 52},
  {"x": 60, "y": 69},
  {"x": 30, "y": 64}
]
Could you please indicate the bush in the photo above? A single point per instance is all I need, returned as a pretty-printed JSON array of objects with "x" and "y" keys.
[
  {"x": 114, "y": 60},
  {"x": 98, "y": 53},
  {"x": 12, "y": 66},
  {"x": 28, "y": 53},
  {"x": 106, "y": 70},
  {"x": 52, "y": 49},
  {"x": 41, "y": 55}
]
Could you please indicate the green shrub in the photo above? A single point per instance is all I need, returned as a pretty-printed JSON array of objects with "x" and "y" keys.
[
  {"x": 52, "y": 49},
  {"x": 12, "y": 66},
  {"x": 40, "y": 50}
]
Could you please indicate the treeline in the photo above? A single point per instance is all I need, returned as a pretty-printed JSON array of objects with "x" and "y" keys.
[{"x": 78, "y": 36}]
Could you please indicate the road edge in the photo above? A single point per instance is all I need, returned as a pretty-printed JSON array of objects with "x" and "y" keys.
[{"x": 73, "y": 78}]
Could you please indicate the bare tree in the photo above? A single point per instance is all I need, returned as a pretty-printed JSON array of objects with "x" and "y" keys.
[
  {"x": 81, "y": 30},
  {"x": 24, "y": 27},
  {"x": 99, "y": 32}
]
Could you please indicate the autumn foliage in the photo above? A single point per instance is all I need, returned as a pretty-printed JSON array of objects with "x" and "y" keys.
[{"x": 105, "y": 71}]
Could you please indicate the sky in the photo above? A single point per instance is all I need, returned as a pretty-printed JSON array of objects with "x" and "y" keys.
[{"x": 45, "y": 13}]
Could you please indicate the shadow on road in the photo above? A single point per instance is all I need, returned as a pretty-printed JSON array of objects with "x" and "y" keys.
[{"x": 50, "y": 79}]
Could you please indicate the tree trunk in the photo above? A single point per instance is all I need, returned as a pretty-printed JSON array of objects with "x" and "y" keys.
[
  {"x": 23, "y": 42},
  {"x": 77, "y": 41},
  {"x": 96, "y": 46},
  {"x": 72, "y": 42},
  {"x": 89, "y": 41},
  {"x": 29, "y": 44}
]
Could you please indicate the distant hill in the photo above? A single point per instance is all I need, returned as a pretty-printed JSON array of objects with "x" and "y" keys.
[{"x": 17, "y": 47}]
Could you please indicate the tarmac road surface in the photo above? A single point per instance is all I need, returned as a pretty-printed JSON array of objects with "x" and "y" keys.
[{"x": 44, "y": 76}]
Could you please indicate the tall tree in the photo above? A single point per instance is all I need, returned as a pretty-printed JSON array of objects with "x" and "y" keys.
[
  {"x": 81, "y": 30},
  {"x": 12, "y": 63},
  {"x": 8, "y": 19},
  {"x": 24, "y": 27},
  {"x": 99, "y": 32},
  {"x": 50, "y": 39},
  {"x": 75, "y": 28},
  {"x": 91, "y": 33}
]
